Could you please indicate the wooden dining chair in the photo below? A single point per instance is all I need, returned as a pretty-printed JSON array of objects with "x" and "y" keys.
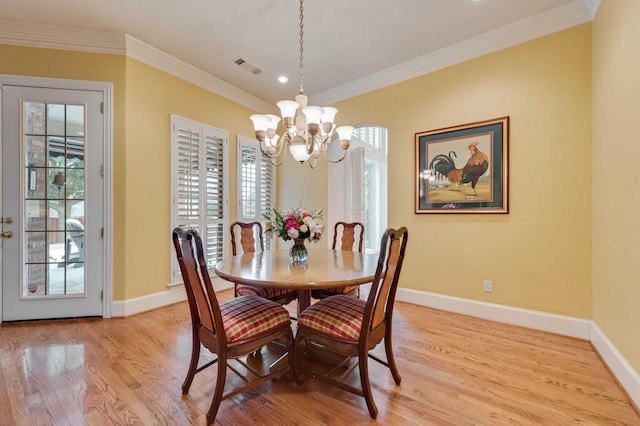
[
  {"x": 231, "y": 330},
  {"x": 351, "y": 233},
  {"x": 250, "y": 239},
  {"x": 351, "y": 327}
]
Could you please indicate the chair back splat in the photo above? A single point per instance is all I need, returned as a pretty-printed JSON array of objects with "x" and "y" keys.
[
  {"x": 203, "y": 303},
  {"x": 232, "y": 330},
  {"x": 352, "y": 327},
  {"x": 250, "y": 233},
  {"x": 348, "y": 232}
]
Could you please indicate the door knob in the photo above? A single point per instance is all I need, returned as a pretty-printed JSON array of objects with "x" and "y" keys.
[{"x": 7, "y": 234}]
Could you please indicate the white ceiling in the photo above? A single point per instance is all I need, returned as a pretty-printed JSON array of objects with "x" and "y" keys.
[{"x": 350, "y": 46}]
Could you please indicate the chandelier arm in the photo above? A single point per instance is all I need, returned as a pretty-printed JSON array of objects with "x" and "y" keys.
[
  {"x": 286, "y": 152},
  {"x": 280, "y": 145},
  {"x": 344, "y": 155},
  {"x": 276, "y": 163},
  {"x": 316, "y": 134},
  {"x": 324, "y": 143},
  {"x": 273, "y": 157},
  {"x": 310, "y": 143},
  {"x": 265, "y": 153}
]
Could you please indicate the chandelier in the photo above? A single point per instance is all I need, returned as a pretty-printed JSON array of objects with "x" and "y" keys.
[{"x": 308, "y": 129}]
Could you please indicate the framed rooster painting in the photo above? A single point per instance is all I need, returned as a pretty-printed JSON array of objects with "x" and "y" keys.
[{"x": 463, "y": 169}]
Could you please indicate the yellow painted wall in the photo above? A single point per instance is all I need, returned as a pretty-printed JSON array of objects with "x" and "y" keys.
[
  {"x": 616, "y": 180},
  {"x": 141, "y": 151},
  {"x": 300, "y": 185},
  {"x": 539, "y": 255},
  {"x": 153, "y": 95}
]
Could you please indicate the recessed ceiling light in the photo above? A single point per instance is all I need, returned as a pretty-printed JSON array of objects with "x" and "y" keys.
[{"x": 283, "y": 79}]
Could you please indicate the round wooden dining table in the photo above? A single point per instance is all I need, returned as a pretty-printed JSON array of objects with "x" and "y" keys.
[{"x": 324, "y": 268}]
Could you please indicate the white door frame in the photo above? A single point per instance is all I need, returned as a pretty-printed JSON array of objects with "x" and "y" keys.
[{"x": 107, "y": 90}]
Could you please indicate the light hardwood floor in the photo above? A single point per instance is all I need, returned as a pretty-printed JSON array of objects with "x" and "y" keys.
[{"x": 456, "y": 370}]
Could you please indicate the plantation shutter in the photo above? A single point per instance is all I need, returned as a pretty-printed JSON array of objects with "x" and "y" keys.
[
  {"x": 188, "y": 177},
  {"x": 199, "y": 184},
  {"x": 267, "y": 193},
  {"x": 356, "y": 201},
  {"x": 256, "y": 183},
  {"x": 215, "y": 195},
  {"x": 383, "y": 204},
  {"x": 248, "y": 180}
]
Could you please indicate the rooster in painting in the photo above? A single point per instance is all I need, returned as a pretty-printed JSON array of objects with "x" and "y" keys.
[{"x": 444, "y": 166}]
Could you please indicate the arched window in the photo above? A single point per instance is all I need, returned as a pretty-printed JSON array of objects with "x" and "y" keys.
[{"x": 358, "y": 191}]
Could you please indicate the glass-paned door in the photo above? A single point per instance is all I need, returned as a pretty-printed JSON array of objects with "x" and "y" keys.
[
  {"x": 54, "y": 216},
  {"x": 52, "y": 152}
]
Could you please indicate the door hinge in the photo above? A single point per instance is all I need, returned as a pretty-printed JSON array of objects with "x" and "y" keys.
[
  {"x": 102, "y": 170},
  {"x": 101, "y": 232},
  {"x": 101, "y": 107},
  {"x": 102, "y": 296}
]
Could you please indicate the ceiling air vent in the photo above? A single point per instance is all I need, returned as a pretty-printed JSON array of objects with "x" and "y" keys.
[{"x": 247, "y": 66}]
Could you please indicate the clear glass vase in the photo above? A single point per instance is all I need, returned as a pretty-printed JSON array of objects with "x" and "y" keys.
[{"x": 298, "y": 252}]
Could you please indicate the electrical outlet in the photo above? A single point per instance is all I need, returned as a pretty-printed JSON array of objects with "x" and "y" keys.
[{"x": 488, "y": 286}]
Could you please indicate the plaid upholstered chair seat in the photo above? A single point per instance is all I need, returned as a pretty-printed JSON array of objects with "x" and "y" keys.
[
  {"x": 338, "y": 316},
  {"x": 277, "y": 294},
  {"x": 247, "y": 317},
  {"x": 233, "y": 330},
  {"x": 352, "y": 327}
]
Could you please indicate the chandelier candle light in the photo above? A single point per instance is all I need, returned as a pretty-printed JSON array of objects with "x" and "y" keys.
[{"x": 309, "y": 129}]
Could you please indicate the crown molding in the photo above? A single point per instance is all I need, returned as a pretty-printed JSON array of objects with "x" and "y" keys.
[
  {"x": 47, "y": 36},
  {"x": 53, "y": 37},
  {"x": 569, "y": 15},
  {"x": 592, "y": 5},
  {"x": 158, "y": 59}
]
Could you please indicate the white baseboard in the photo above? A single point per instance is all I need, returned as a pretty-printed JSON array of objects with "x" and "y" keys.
[
  {"x": 559, "y": 324},
  {"x": 125, "y": 308},
  {"x": 174, "y": 294},
  {"x": 628, "y": 378}
]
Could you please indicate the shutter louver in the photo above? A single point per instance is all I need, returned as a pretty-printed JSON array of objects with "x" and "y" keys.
[
  {"x": 214, "y": 199},
  {"x": 199, "y": 184},
  {"x": 267, "y": 193},
  {"x": 214, "y": 179},
  {"x": 357, "y": 184},
  {"x": 188, "y": 178},
  {"x": 248, "y": 181},
  {"x": 256, "y": 184}
]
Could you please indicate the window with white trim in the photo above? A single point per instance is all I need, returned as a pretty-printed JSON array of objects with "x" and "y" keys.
[
  {"x": 367, "y": 188},
  {"x": 199, "y": 185},
  {"x": 256, "y": 184}
]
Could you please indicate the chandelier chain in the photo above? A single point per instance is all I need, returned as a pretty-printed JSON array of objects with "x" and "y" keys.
[
  {"x": 301, "y": 50},
  {"x": 308, "y": 129}
]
